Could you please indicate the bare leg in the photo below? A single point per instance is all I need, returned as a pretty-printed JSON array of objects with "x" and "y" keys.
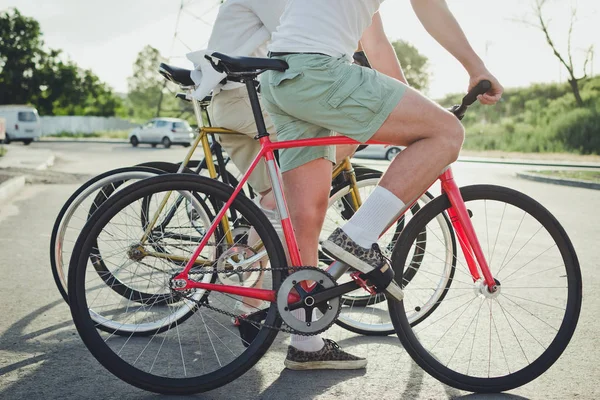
[
  {"x": 433, "y": 137},
  {"x": 344, "y": 150},
  {"x": 307, "y": 194}
]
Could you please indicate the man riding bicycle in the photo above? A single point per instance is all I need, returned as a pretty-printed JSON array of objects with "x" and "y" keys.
[
  {"x": 322, "y": 92},
  {"x": 243, "y": 27}
]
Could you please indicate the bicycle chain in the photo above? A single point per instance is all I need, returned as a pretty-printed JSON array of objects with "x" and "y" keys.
[{"x": 286, "y": 329}]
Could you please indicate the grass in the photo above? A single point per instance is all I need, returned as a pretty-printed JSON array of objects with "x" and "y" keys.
[
  {"x": 2, "y": 151},
  {"x": 123, "y": 134},
  {"x": 589, "y": 176}
]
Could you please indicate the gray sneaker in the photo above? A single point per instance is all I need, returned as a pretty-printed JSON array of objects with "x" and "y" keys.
[
  {"x": 329, "y": 357},
  {"x": 343, "y": 248}
]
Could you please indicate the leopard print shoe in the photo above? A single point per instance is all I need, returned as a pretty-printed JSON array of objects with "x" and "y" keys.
[
  {"x": 329, "y": 357},
  {"x": 341, "y": 247}
]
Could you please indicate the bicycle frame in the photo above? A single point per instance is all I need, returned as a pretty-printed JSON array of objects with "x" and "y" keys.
[{"x": 458, "y": 215}]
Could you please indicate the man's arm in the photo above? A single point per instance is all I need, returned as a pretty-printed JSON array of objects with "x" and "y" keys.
[
  {"x": 438, "y": 20},
  {"x": 379, "y": 50}
]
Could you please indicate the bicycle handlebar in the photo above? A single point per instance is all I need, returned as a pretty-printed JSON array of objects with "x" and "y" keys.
[{"x": 481, "y": 88}]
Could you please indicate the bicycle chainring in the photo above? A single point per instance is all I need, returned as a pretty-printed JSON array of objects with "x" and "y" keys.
[
  {"x": 233, "y": 267},
  {"x": 318, "y": 316}
]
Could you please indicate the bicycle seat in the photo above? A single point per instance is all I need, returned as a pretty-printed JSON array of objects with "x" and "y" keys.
[
  {"x": 250, "y": 64},
  {"x": 180, "y": 76}
]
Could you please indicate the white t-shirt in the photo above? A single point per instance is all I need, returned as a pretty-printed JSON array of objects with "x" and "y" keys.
[
  {"x": 242, "y": 28},
  {"x": 331, "y": 27},
  {"x": 239, "y": 20}
]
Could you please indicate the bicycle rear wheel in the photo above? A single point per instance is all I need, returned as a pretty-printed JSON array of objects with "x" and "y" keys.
[
  {"x": 484, "y": 342},
  {"x": 80, "y": 205},
  {"x": 175, "y": 358}
]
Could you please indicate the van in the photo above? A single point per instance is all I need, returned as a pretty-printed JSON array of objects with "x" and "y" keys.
[
  {"x": 22, "y": 123},
  {"x": 2, "y": 129}
]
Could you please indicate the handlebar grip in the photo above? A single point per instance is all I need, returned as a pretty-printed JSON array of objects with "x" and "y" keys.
[{"x": 481, "y": 88}]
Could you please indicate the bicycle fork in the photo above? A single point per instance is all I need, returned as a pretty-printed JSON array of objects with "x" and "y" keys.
[{"x": 465, "y": 232}]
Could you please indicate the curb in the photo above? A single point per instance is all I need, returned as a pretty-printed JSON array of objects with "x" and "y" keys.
[
  {"x": 559, "y": 181},
  {"x": 82, "y": 140},
  {"x": 46, "y": 164},
  {"x": 11, "y": 187},
  {"x": 532, "y": 163}
]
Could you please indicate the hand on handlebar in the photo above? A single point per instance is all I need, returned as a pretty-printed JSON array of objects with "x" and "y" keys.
[{"x": 493, "y": 94}]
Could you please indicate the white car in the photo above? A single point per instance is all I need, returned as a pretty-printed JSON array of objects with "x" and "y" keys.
[
  {"x": 22, "y": 123},
  {"x": 380, "y": 151},
  {"x": 165, "y": 131}
]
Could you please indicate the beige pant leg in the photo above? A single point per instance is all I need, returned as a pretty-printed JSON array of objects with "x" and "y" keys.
[{"x": 231, "y": 109}]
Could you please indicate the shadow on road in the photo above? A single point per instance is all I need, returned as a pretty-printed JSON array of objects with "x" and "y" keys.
[
  {"x": 491, "y": 396},
  {"x": 301, "y": 385},
  {"x": 52, "y": 362}
]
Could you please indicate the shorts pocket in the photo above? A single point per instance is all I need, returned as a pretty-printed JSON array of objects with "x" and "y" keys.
[
  {"x": 277, "y": 78},
  {"x": 357, "y": 95}
]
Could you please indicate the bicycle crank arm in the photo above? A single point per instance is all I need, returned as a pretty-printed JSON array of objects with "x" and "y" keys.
[{"x": 327, "y": 294}]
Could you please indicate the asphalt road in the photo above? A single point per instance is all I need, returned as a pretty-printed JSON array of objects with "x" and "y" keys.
[{"x": 41, "y": 355}]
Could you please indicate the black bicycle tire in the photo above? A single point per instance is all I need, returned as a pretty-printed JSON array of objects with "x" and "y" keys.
[
  {"x": 572, "y": 310},
  {"x": 86, "y": 327},
  {"x": 193, "y": 164},
  {"x": 66, "y": 206}
]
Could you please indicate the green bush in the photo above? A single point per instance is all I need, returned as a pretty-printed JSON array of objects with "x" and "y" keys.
[
  {"x": 540, "y": 118},
  {"x": 122, "y": 134},
  {"x": 579, "y": 130}
]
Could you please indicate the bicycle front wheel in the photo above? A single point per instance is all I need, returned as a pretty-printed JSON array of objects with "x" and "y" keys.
[
  {"x": 482, "y": 342},
  {"x": 172, "y": 357}
]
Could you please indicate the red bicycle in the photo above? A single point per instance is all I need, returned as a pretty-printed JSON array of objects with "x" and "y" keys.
[{"x": 507, "y": 315}]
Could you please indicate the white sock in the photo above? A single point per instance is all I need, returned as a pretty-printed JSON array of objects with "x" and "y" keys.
[
  {"x": 378, "y": 211},
  {"x": 305, "y": 343}
]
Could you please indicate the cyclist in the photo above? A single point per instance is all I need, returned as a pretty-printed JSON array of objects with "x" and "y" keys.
[
  {"x": 243, "y": 28},
  {"x": 323, "y": 92}
]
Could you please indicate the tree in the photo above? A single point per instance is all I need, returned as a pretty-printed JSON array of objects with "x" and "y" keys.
[
  {"x": 565, "y": 59},
  {"x": 414, "y": 64},
  {"x": 150, "y": 95},
  {"x": 21, "y": 55},
  {"x": 31, "y": 74}
]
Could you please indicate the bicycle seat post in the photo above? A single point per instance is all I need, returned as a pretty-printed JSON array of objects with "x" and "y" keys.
[{"x": 250, "y": 82}]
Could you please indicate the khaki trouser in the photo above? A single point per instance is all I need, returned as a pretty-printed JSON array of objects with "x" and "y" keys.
[{"x": 231, "y": 109}]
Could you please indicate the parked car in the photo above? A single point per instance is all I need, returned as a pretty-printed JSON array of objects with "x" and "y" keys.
[
  {"x": 379, "y": 151},
  {"x": 22, "y": 123},
  {"x": 165, "y": 131}
]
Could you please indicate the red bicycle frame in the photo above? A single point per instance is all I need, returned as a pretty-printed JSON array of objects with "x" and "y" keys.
[{"x": 458, "y": 214}]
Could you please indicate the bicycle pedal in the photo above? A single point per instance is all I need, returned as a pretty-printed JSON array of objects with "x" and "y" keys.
[{"x": 248, "y": 330}]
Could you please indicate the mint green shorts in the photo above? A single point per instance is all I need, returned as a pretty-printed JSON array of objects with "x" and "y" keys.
[{"x": 319, "y": 95}]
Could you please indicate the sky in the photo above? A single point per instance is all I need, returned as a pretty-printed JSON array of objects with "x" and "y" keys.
[{"x": 105, "y": 36}]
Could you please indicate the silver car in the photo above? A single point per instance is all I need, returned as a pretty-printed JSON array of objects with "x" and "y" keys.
[
  {"x": 165, "y": 131},
  {"x": 379, "y": 151}
]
